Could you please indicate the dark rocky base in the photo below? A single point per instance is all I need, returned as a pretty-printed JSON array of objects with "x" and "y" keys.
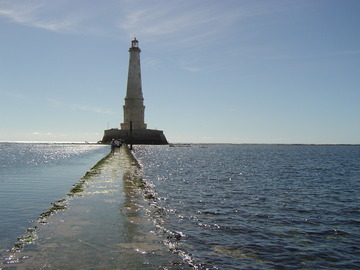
[{"x": 143, "y": 136}]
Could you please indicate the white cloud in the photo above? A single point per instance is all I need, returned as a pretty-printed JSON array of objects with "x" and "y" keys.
[
  {"x": 16, "y": 95},
  {"x": 150, "y": 62},
  {"x": 51, "y": 16},
  {"x": 192, "y": 69},
  {"x": 92, "y": 109},
  {"x": 182, "y": 22},
  {"x": 37, "y": 133},
  {"x": 313, "y": 55},
  {"x": 166, "y": 18},
  {"x": 58, "y": 104},
  {"x": 20, "y": 12}
]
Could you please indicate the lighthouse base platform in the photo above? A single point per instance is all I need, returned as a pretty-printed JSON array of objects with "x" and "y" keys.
[{"x": 137, "y": 136}]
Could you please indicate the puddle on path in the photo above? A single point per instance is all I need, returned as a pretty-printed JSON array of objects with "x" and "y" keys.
[{"x": 106, "y": 226}]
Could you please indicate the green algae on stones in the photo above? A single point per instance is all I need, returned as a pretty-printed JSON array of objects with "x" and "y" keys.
[
  {"x": 78, "y": 188},
  {"x": 55, "y": 207},
  {"x": 27, "y": 238},
  {"x": 60, "y": 205},
  {"x": 132, "y": 157},
  {"x": 137, "y": 177}
]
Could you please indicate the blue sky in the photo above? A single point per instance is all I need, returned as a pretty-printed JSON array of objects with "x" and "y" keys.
[{"x": 229, "y": 71}]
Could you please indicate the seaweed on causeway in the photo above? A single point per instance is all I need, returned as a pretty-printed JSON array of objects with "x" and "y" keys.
[
  {"x": 60, "y": 205},
  {"x": 79, "y": 186}
]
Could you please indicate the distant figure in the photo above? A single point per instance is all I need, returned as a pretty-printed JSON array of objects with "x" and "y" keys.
[
  {"x": 117, "y": 143},
  {"x": 113, "y": 145}
]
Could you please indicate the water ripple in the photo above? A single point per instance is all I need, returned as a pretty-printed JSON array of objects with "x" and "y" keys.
[{"x": 260, "y": 206}]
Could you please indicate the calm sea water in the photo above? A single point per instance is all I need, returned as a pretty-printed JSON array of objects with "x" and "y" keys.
[
  {"x": 215, "y": 206},
  {"x": 257, "y": 206},
  {"x": 34, "y": 175}
]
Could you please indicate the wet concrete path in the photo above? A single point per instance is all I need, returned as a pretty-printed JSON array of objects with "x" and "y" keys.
[{"x": 105, "y": 226}]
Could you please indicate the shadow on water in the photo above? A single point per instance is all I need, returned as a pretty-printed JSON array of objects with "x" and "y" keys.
[{"x": 103, "y": 223}]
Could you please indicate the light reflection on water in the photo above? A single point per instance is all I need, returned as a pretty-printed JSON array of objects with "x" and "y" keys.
[
  {"x": 33, "y": 175},
  {"x": 106, "y": 227},
  {"x": 216, "y": 207},
  {"x": 259, "y": 206}
]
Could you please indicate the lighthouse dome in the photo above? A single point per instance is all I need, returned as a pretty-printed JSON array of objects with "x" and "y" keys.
[{"x": 134, "y": 43}]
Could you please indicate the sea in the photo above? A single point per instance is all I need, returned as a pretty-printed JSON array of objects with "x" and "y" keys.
[
  {"x": 34, "y": 175},
  {"x": 217, "y": 206}
]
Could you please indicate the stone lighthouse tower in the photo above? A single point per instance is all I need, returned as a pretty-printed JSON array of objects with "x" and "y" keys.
[
  {"x": 133, "y": 129},
  {"x": 134, "y": 102}
]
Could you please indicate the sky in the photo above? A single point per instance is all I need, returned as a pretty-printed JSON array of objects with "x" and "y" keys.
[{"x": 213, "y": 71}]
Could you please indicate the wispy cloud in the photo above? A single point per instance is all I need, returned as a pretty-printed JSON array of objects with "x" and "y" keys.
[
  {"x": 186, "y": 21},
  {"x": 193, "y": 28},
  {"x": 313, "y": 55},
  {"x": 192, "y": 69},
  {"x": 175, "y": 22},
  {"x": 56, "y": 103},
  {"x": 80, "y": 107},
  {"x": 51, "y": 16},
  {"x": 183, "y": 22},
  {"x": 150, "y": 62},
  {"x": 15, "y": 95},
  {"x": 346, "y": 52},
  {"x": 187, "y": 27},
  {"x": 20, "y": 12},
  {"x": 37, "y": 133},
  {"x": 91, "y": 109}
]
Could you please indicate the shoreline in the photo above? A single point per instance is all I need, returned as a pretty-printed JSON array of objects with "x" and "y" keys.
[{"x": 191, "y": 143}]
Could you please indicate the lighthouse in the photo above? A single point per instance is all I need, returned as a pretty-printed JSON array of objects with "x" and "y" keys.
[
  {"x": 134, "y": 108},
  {"x": 133, "y": 128}
]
